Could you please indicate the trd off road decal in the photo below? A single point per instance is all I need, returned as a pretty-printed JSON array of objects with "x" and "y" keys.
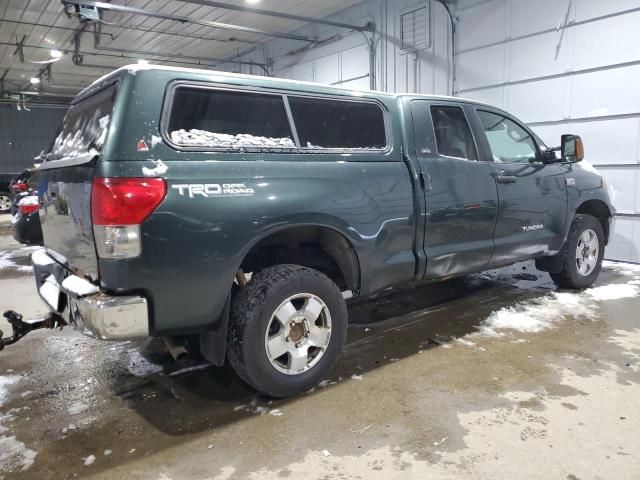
[{"x": 213, "y": 190}]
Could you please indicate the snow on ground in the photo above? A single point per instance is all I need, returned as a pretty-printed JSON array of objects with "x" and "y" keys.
[
  {"x": 613, "y": 292},
  {"x": 538, "y": 314},
  {"x": 77, "y": 407},
  {"x": 13, "y": 453},
  {"x": 7, "y": 259},
  {"x": 203, "y": 138},
  {"x": 541, "y": 313}
]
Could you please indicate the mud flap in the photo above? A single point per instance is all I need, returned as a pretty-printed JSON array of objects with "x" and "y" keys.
[
  {"x": 550, "y": 264},
  {"x": 213, "y": 344}
]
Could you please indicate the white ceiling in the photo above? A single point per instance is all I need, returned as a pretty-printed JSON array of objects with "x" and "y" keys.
[{"x": 167, "y": 37}]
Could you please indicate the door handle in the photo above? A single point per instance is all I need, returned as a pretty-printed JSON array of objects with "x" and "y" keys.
[
  {"x": 506, "y": 179},
  {"x": 425, "y": 181}
]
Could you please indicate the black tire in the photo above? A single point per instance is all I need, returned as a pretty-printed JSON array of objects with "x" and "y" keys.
[
  {"x": 4, "y": 198},
  {"x": 570, "y": 276},
  {"x": 252, "y": 313}
]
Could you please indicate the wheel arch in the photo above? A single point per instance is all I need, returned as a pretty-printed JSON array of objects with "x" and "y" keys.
[
  {"x": 314, "y": 245},
  {"x": 598, "y": 209}
]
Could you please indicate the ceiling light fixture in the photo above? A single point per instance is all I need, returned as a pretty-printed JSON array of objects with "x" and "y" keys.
[
  {"x": 253, "y": 2},
  {"x": 34, "y": 80},
  {"x": 142, "y": 61},
  {"x": 55, "y": 53}
]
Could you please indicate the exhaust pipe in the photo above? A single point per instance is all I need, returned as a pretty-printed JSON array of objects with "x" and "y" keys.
[{"x": 178, "y": 352}]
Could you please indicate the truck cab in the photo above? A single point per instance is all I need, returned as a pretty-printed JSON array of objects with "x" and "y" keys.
[{"x": 236, "y": 213}]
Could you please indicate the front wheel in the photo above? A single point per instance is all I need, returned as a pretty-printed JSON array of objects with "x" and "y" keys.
[
  {"x": 582, "y": 253},
  {"x": 287, "y": 329}
]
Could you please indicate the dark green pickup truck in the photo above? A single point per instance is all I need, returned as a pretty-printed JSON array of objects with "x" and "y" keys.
[{"x": 241, "y": 211}]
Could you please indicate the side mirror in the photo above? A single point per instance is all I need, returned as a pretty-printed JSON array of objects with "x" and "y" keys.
[{"x": 572, "y": 148}]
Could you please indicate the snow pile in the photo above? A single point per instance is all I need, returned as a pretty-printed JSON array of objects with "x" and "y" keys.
[
  {"x": 79, "y": 286},
  {"x": 613, "y": 291},
  {"x": 40, "y": 258},
  {"x": 161, "y": 168},
  {"x": 204, "y": 138},
  {"x": 540, "y": 314},
  {"x": 13, "y": 453},
  {"x": 537, "y": 315}
]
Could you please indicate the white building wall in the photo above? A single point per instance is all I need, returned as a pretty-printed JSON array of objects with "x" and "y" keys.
[
  {"x": 583, "y": 78},
  {"x": 344, "y": 58}
]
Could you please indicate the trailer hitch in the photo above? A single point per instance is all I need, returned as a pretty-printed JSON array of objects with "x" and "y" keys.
[{"x": 22, "y": 327}]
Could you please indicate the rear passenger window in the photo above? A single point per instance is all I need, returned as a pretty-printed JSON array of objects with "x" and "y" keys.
[
  {"x": 229, "y": 120},
  {"x": 453, "y": 135},
  {"x": 326, "y": 123}
]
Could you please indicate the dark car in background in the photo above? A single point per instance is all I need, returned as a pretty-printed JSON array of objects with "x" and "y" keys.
[
  {"x": 20, "y": 182},
  {"x": 25, "y": 221},
  {"x": 19, "y": 185}
]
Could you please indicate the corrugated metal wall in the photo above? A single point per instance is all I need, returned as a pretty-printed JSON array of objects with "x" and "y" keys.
[
  {"x": 24, "y": 134},
  {"x": 583, "y": 78},
  {"x": 345, "y": 59}
]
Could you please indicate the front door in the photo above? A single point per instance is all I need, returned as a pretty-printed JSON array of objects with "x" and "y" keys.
[
  {"x": 459, "y": 189},
  {"x": 532, "y": 195}
]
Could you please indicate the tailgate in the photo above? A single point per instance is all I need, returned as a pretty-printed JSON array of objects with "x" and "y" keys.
[
  {"x": 65, "y": 183},
  {"x": 65, "y": 216}
]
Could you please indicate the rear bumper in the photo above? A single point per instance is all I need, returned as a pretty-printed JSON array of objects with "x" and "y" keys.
[{"x": 85, "y": 307}]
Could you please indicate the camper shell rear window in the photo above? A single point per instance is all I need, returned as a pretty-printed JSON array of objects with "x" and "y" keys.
[
  {"x": 85, "y": 126},
  {"x": 204, "y": 118}
]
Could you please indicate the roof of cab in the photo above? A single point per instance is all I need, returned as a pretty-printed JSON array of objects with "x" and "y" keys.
[{"x": 216, "y": 75}]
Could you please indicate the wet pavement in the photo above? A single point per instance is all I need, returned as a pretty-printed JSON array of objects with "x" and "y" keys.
[{"x": 494, "y": 375}]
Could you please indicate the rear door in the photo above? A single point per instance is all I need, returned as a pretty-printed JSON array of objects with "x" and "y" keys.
[
  {"x": 65, "y": 183},
  {"x": 459, "y": 188},
  {"x": 532, "y": 195}
]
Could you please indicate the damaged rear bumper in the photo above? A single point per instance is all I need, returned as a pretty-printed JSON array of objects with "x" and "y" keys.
[{"x": 85, "y": 307}]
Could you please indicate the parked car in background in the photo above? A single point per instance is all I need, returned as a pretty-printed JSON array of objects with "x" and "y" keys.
[
  {"x": 25, "y": 222},
  {"x": 240, "y": 211},
  {"x": 5, "y": 191},
  {"x": 20, "y": 182}
]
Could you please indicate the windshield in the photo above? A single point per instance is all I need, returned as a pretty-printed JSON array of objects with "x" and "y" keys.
[{"x": 84, "y": 128}]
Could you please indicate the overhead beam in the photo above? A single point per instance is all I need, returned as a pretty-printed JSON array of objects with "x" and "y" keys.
[
  {"x": 179, "y": 18},
  {"x": 128, "y": 54},
  {"x": 271, "y": 13}
]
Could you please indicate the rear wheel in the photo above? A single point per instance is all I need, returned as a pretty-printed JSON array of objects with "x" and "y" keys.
[
  {"x": 288, "y": 327},
  {"x": 582, "y": 254},
  {"x": 5, "y": 202}
]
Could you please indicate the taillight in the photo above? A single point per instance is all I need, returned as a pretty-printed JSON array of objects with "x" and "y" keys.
[
  {"x": 118, "y": 207},
  {"x": 125, "y": 201},
  {"x": 19, "y": 187},
  {"x": 28, "y": 205}
]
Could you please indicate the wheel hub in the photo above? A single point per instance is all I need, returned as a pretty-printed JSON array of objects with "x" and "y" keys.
[{"x": 298, "y": 329}]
